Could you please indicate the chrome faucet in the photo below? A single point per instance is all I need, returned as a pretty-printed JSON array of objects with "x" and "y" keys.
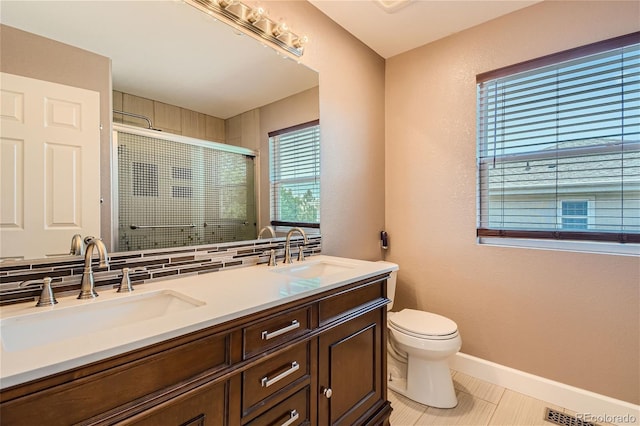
[
  {"x": 87, "y": 290},
  {"x": 77, "y": 246},
  {"x": 268, "y": 229},
  {"x": 287, "y": 245}
]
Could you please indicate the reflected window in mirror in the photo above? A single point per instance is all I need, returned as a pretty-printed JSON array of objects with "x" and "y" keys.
[{"x": 294, "y": 171}]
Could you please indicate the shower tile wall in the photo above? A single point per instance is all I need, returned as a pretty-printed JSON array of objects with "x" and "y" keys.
[{"x": 177, "y": 194}]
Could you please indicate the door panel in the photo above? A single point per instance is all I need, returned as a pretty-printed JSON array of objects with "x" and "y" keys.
[
  {"x": 50, "y": 159},
  {"x": 12, "y": 181}
]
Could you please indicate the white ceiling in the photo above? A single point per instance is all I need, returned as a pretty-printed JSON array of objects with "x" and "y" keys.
[{"x": 414, "y": 22}]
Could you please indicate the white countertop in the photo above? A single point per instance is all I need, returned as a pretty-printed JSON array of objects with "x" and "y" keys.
[{"x": 222, "y": 296}]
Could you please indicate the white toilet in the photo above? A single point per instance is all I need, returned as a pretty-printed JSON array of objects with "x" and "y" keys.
[{"x": 418, "y": 349}]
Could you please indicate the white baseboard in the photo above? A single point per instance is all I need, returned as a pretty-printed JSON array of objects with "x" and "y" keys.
[{"x": 592, "y": 406}]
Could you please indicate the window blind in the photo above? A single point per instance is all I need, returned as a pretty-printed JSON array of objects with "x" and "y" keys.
[
  {"x": 559, "y": 146},
  {"x": 295, "y": 175}
]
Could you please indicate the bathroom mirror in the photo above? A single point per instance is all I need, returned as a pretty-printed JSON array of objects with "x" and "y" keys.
[{"x": 170, "y": 52}]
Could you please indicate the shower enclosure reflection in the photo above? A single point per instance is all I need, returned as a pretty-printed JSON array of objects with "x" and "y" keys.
[{"x": 178, "y": 191}]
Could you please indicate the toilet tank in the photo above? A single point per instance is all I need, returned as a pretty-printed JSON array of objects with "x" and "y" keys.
[{"x": 391, "y": 283}]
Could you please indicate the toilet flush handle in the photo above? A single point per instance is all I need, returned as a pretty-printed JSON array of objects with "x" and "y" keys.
[{"x": 327, "y": 392}]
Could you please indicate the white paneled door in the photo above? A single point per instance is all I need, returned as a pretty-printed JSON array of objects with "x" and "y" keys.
[{"x": 49, "y": 166}]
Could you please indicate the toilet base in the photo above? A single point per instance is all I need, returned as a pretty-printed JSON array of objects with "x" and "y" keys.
[
  {"x": 397, "y": 385},
  {"x": 428, "y": 383}
]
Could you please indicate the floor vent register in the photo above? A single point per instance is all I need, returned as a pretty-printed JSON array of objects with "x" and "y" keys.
[{"x": 558, "y": 418}]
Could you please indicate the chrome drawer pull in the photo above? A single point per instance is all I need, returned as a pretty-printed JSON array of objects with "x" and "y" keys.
[
  {"x": 266, "y": 381},
  {"x": 266, "y": 335},
  {"x": 294, "y": 416}
]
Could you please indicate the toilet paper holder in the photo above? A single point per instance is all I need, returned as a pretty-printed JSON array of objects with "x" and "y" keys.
[{"x": 384, "y": 240}]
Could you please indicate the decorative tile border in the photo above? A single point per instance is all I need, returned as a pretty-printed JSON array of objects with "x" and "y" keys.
[{"x": 153, "y": 265}]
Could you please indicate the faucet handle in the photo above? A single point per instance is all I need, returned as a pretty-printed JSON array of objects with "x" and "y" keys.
[
  {"x": 301, "y": 253},
  {"x": 272, "y": 257},
  {"x": 47, "y": 298},
  {"x": 125, "y": 284}
]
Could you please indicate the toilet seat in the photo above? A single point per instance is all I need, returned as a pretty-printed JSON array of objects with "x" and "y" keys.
[{"x": 423, "y": 325}]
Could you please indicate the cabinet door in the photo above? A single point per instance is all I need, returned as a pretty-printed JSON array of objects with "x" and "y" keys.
[
  {"x": 205, "y": 406},
  {"x": 350, "y": 370}
]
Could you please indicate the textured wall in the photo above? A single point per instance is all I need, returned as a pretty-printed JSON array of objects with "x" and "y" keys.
[
  {"x": 351, "y": 130},
  {"x": 570, "y": 317}
]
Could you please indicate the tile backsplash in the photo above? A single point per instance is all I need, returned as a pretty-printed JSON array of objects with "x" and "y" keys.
[{"x": 150, "y": 265}]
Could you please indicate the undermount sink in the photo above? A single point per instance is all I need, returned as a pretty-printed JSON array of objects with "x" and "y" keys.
[
  {"x": 60, "y": 323},
  {"x": 314, "y": 269}
]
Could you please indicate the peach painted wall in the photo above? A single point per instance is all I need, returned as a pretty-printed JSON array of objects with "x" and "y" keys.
[
  {"x": 351, "y": 130},
  {"x": 570, "y": 317}
]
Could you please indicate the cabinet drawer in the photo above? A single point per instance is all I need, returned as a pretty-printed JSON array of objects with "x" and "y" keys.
[
  {"x": 97, "y": 393},
  {"x": 292, "y": 411},
  {"x": 264, "y": 380},
  {"x": 341, "y": 304},
  {"x": 200, "y": 407},
  {"x": 275, "y": 331}
]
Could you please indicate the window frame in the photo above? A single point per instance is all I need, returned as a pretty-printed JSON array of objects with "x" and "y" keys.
[
  {"x": 277, "y": 222},
  {"x": 493, "y": 236}
]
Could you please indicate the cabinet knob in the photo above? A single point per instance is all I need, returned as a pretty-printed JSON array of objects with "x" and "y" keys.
[{"x": 327, "y": 392}]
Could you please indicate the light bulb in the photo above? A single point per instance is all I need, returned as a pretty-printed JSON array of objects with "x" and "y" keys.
[
  {"x": 256, "y": 15},
  {"x": 299, "y": 42},
  {"x": 280, "y": 29}
]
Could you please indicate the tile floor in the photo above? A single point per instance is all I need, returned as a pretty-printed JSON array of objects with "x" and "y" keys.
[{"x": 479, "y": 404}]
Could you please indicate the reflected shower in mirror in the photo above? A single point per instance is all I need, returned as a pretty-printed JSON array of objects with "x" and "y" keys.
[
  {"x": 177, "y": 191},
  {"x": 192, "y": 75}
]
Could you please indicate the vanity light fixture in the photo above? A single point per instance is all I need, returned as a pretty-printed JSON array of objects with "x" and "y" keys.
[{"x": 254, "y": 19}]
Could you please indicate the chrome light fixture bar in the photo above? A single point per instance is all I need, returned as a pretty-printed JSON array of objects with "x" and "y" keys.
[{"x": 255, "y": 20}]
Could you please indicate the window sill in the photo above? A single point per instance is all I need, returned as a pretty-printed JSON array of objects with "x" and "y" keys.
[
  {"x": 282, "y": 230},
  {"x": 575, "y": 246}
]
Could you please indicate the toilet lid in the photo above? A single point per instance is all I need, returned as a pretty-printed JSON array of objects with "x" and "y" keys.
[{"x": 420, "y": 323}]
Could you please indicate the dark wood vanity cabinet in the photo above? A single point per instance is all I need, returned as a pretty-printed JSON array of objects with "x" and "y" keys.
[
  {"x": 320, "y": 360},
  {"x": 349, "y": 371}
]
